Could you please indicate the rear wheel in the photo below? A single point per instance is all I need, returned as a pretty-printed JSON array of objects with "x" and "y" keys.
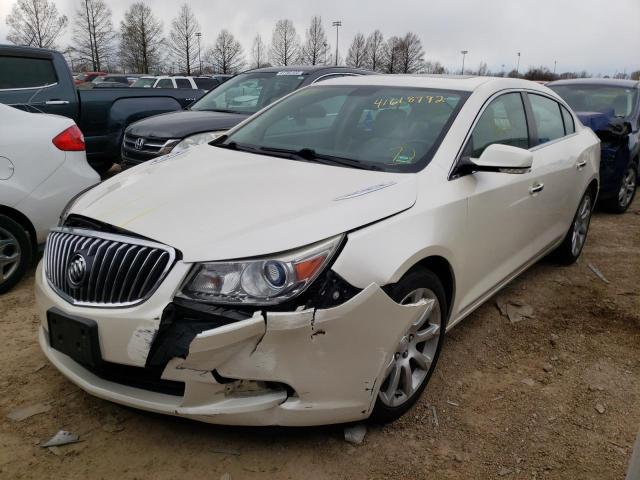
[
  {"x": 15, "y": 252},
  {"x": 415, "y": 357},
  {"x": 573, "y": 243},
  {"x": 626, "y": 192}
]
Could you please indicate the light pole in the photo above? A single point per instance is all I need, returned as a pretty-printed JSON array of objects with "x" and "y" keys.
[
  {"x": 555, "y": 64},
  {"x": 324, "y": 45},
  {"x": 199, "y": 34},
  {"x": 337, "y": 24},
  {"x": 464, "y": 54},
  {"x": 518, "y": 66}
]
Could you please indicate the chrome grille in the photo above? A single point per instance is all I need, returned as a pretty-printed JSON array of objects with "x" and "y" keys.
[{"x": 100, "y": 269}]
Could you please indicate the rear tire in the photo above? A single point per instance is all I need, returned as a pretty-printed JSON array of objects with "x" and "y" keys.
[
  {"x": 418, "y": 350},
  {"x": 626, "y": 191},
  {"x": 15, "y": 252},
  {"x": 573, "y": 243}
]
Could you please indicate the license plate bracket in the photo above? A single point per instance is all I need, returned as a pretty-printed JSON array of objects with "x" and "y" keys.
[{"x": 74, "y": 336}]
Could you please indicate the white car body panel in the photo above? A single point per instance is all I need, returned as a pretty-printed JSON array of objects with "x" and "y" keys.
[
  {"x": 488, "y": 227},
  {"x": 44, "y": 178}
]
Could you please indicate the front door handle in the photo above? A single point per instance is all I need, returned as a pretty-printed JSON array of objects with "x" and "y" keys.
[
  {"x": 580, "y": 164},
  {"x": 57, "y": 102},
  {"x": 536, "y": 188}
]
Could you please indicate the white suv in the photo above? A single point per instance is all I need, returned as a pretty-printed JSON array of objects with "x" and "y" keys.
[{"x": 303, "y": 268}]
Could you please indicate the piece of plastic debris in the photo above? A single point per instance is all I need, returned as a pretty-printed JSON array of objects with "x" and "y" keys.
[
  {"x": 355, "y": 433},
  {"x": 226, "y": 476},
  {"x": 518, "y": 311},
  {"x": 26, "y": 412},
  {"x": 435, "y": 416},
  {"x": 61, "y": 438},
  {"x": 598, "y": 273},
  {"x": 453, "y": 403},
  {"x": 600, "y": 408},
  {"x": 226, "y": 451}
]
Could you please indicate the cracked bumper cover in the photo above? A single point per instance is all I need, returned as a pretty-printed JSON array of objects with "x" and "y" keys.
[{"x": 333, "y": 359}]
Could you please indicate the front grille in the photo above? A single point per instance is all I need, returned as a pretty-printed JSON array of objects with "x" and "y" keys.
[
  {"x": 148, "y": 147},
  {"x": 98, "y": 269}
]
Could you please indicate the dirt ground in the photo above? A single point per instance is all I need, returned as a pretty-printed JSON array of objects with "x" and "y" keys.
[{"x": 512, "y": 400}]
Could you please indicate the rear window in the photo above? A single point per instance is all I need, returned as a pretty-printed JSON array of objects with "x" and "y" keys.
[
  {"x": 206, "y": 83},
  {"x": 546, "y": 114},
  {"x": 165, "y": 83},
  {"x": 183, "y": 83},
  {"x": 569, "y": 126},
  {"x": 21, "y": 72}
]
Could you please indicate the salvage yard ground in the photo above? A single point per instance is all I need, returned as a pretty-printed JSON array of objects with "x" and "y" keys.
[{"x": 553, "y": 396}]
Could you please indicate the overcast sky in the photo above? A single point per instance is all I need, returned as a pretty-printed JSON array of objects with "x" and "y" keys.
[{"x": 595, "y": 35}]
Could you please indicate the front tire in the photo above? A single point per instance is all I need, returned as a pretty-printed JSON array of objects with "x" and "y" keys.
[
  {"x": 415, "y": 358},
  {"x": 571, "y": 247},
  {"x": 15, "y": 252},
  {"x": 626, "y": 191}
]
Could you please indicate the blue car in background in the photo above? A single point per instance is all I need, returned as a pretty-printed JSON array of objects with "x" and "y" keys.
[{"x": 611, "y": 108}]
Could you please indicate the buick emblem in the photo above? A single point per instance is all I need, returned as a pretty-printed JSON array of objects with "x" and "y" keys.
[
  {"x": 139, "y": 143},
  {"x": 76, "y": 270}
]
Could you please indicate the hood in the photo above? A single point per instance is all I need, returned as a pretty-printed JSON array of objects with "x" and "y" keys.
[
  {"x": 595, "y": 120},
  {"x": 217, "y": 204},
  {"x": 184, "y": 123}
]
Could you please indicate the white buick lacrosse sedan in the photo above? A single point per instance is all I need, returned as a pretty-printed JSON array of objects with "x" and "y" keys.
[{"x": 303, "y": 268}]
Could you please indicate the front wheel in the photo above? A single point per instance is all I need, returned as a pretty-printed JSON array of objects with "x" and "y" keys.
[
  {"x": 15, "y": 252},
  {"x": 626, "y": 192},
  {"x": 415, "y": 357},
  {"x": 573, "y": 243}
]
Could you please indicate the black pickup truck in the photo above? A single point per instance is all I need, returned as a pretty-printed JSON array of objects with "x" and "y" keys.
[{"x": 36, "y": 79}]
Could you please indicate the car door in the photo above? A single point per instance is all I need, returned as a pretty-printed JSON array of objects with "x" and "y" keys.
[{"x": 502, "y": 217}]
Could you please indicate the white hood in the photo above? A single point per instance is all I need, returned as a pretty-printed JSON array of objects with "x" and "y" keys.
[{"x": 216, "y": 204}]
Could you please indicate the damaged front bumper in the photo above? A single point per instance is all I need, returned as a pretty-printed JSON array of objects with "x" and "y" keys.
[{"x": 308, "y": 367}]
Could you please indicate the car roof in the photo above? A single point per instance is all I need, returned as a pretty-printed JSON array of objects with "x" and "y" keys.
[
  {"x": 466, "y": 83},
  {"x": 305, "y": 69},
  {"x": 611, "y": 82}
]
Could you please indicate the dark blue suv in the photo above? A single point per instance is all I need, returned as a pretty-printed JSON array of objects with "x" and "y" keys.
[{"x": 611, "y": 108}]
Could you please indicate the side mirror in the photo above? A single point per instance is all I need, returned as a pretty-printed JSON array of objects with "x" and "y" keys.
[{"x": 498, "y": 158}]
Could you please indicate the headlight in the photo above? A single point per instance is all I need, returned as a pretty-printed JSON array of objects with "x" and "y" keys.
[
  {"x": 260, "y": 281},
  {"x": 197, "y": 139}
]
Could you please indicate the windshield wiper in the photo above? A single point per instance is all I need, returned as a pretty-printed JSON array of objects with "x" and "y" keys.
[
  {"x": 219, "y": 142},
  {"x": 310, "y": 155}
]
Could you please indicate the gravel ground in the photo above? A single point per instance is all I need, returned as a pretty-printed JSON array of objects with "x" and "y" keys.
[{"x": 554, "y": 396}]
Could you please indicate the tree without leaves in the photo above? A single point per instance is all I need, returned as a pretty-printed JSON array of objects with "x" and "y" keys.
[
  {"x": 635, "y": 75},
  {"x": 183, "y": 43},
  {"x": 36, "y": 23},
  {"x": 285, "y": 44},
  {"x": 391, "y": 63},
  {"x": 141, "y": 39},
  {"x": 410, "y": 54},
  {"x": 315, "y": 47},
  {"x": 93, "y": 35},
  {"x": 227, "y": 55},
  {"x": 258, "y": 53},
  {"x": 375, "y": 51},
  {"x": 357, "y": 55},
  {"x": 434, "y": 68}
]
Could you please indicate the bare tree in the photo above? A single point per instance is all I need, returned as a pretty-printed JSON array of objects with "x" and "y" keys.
[
  {"x": 315, "y": 48},
  {"x": 375, "y": 51},
  {"x": 141, "y": 39},
  {"x": 285, "y": 44},
  {"x": 258, "y": 53},
  {"x": 434, "y": 67},
  {"x": 357, "y": 55},
  {"x": 227, "y": 55},
  {"x": 36, "y": 23},
  {"x": 93, "y": 35},
  {"x": 182, "y": 41},
  {"x": 392, "y": 50},
  {"x": 410, "y": 54}
]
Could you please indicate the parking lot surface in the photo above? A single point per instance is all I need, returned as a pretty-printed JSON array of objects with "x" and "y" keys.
[{"x": 554, "y": 395}]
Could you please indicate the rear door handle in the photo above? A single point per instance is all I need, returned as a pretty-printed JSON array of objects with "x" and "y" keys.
[
  {"x": 580, "y": 164},
  {"x": 536, "y": 188},
  {"x": 57, "y": 102}
]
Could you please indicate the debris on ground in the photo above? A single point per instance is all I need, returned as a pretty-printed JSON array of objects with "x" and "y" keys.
[
  {"x": 453, "y": 403},
  {"x": 226, "y": 451},
  {"x": 598, "y": 273},
  {"x": 547, "y": 367},
  {"x": 435, "y": 416},
  {"x": 225, "y": 476},
  {"x": 504, "y": 471},
  {"x": 554, "y": 340},
  {"x": 515, "y": 310},
  {"x": 600, "y": 408},
  {"x": 23, "y": 413},
  {"x": 355, "y": 434},
  {"x": 529, "y": 382},
  {"x": 61, "y": 438}
]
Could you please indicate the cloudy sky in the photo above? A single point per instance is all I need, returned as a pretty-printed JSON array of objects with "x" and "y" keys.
[{"x": 599, "y": 36}]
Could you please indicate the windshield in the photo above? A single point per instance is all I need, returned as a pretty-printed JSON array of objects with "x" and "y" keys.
[
  {"x": 611, "y": 100},
  {"x": 393, "y": 129},
  {"x": 249, "y": 92},
  {"x": 143, "y": 83}
]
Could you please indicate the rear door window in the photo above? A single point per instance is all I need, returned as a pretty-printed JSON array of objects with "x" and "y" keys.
[
  {"x": 165, "y": 83},
  {"x": 183, "y": 83},
  {"x": 547, "y": 117},
  {"x": 204, "y": 83},
  {"x": 22, "y": 72},
  {"x": 569, "y": 125}
]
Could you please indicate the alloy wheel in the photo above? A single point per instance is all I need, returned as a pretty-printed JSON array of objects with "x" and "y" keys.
[
  {"x": 581, "y": 226},
  {"x": 9, "y": 255},
  {"x": 627, "y": 188},
  {"x": 415, "y": 353}
]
